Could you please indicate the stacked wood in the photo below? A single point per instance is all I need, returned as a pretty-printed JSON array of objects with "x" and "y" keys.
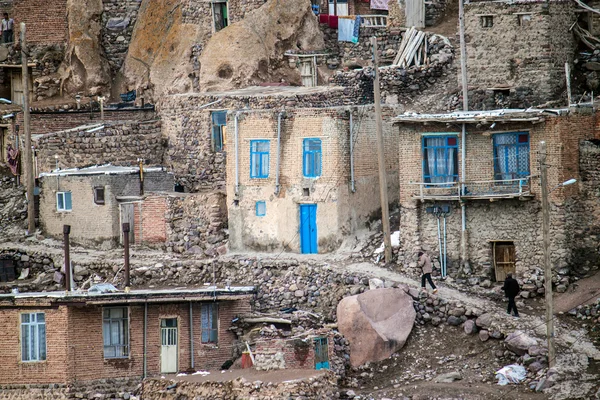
[{"x": 413, "y": 49}]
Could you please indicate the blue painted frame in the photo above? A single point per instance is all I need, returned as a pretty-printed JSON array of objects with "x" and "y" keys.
[
  {"x": 219, "y": 120},
  {"x": 261, "y": 208},
  {"x": 424, "y": 148},
  {"x": 66, "y": 199},
  {"x": 259, "y": 159},
  {"x": 312, "y": 158},
  {"x": 521, "y": 154}
]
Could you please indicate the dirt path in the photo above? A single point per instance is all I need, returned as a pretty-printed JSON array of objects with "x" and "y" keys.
[{"x": 584, "y": 291}]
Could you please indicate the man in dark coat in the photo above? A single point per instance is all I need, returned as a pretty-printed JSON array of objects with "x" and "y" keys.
[{"x": 511, "y": 289}]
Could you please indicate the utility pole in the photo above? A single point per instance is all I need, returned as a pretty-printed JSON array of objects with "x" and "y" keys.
[
  {"x": 27, "y": 131},
  {"x": 463, "y": 140},
  {"x": 385, "y": 212},
  {"x": 547, "y": 261}
]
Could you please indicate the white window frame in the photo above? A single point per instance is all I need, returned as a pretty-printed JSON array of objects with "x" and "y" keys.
[
  {"x": 36, "y": 349},
  {"x": 121, "y": 348},
  {"x": 64, "y": 203}
]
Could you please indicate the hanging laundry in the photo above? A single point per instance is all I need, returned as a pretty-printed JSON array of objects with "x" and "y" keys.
[
  {"x": 13, "y": 159},
  {"x": 333, "y": 21},
  {"x": 348, "y": 28},
  {"x": 379, "y": 4}
]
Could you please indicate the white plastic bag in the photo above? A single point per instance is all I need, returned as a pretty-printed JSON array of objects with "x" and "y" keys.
[{"x": 511, "y": 374}]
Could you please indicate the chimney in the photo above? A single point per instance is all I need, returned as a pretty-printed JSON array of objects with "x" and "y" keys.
[
  {"x": 126, "y": 230},
  {"x": 66, "y": 232}
]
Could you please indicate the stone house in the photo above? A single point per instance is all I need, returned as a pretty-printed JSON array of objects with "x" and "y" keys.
[
  {"x": 95, "y": 201},
  {"x": 483, "y": 195},
  {"x": 77, "y": 338},
  {"x": 519, "y": 48},
  {"x": 303, "y": 179}
]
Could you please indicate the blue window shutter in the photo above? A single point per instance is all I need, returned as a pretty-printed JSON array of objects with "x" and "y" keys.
[
  {"x": 68, "y": 202},
  {"x": 261, "y": 208},
  {"x": 312, "y": 158},
  {"x": 60, "y": 201}
]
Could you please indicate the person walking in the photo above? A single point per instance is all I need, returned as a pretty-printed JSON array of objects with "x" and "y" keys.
[
  {"x": 426, "y": 269},
  {"x": 511, "y": 290},
  {"x": 7, "y": 29}
]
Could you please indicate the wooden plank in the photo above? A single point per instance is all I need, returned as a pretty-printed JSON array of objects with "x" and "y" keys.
[
  {"x": 404, "y": 55},
  {"x": 413, "y": 48},
  {"x": 407, "y": 36}
]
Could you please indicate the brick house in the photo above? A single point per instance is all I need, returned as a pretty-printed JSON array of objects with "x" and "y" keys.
[
  {"x": 74, "y": 338},
  {"x": 95, "y": 201},
  {"x": 519, "y": 47},
  {"x": 303, "y": 179},
  {"x": 499, "y": 187}
]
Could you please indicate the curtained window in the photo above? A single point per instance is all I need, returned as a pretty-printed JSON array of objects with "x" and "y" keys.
[
  {"x": 511, "y": 155},
  {"x": 440, "y": 161}
]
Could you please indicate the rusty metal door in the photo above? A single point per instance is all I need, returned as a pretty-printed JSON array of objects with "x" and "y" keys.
[{"x": 504, "y": 259}]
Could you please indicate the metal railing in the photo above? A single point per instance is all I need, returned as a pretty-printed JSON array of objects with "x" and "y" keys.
[
  {"x": 494, "y": 189},
  {"x": 373, "y": 21}
]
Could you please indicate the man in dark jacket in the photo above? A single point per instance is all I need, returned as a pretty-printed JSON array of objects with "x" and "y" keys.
[{"x": 511, "y": 289}]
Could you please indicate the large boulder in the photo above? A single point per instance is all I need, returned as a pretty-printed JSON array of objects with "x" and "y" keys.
[
  {"x": 251, "y": 51},
  {"x": 518, "y": 342},
  {"x": 85, "y": 69},
  {"x": 376, "y": 323}
]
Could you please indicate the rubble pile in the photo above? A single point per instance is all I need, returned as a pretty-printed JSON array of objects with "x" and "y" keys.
[
  {"x": 12, "y": 204},
  {"x": 35, "y": 272},
  {"x": 588, "y": 312}
]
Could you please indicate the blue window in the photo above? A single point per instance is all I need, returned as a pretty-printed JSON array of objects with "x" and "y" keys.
[
  {"x": 33, "y": 337},
  {"x": 312, "y": 158},
  {"x": 259, "y": 159},
  {"x": 219, "y": 126},
  {"x": 511, "y": 155},
  {"x": 210, "y": 322},
  {"x": 261, "y": 208},
  {"x": 440, "y": 159},
  {"x": 63, "y": 201}
]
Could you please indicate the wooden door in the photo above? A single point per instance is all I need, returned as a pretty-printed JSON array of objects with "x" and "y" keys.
[
  {"x": 308, "y": 72},
  {"x": 17, "y": 87},
  {"x": 415, "y": 13},
  {"x": 127, "y": 215},
  {"x": 321, "y": 353},
  {"x": 504, "y": 259},
  {"x": 168, "y": 345}
]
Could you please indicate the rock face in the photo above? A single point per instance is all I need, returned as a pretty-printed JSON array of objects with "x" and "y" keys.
[
  {"x": 84, "y": 68},
  {"x": 251, "y": 50},
  {"x": 376, "y": 323}
]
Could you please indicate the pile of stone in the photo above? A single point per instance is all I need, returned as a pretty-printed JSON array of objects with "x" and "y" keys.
[
  {"x": 588, "y": 312},
  {"x": 12, "y": 203}
]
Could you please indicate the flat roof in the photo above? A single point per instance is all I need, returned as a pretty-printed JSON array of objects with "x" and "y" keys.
[
  {"x": 106, "y": 169},
  {"x": 264, "y": 91},
  {"x": 471, "y": 117},
  {"x": 133, "y": 296}
]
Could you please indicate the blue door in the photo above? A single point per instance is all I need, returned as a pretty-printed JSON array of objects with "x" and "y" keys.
[
  {"x": 308, "y": 228},
  {"x": 321, "y": 353}
]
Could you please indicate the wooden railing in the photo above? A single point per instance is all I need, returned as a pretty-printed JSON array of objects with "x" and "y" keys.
[
  {"x": 495, "y": 189},
  {"x": 373, "y": 21}
]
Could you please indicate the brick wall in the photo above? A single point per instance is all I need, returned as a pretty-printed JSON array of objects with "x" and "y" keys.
[
  {"x": 54, "y": 369},
  {"x": 339, "y": 212},
  {"x": 153, "y": 223},
  {"x": 118, "y": 143},
  {"x": 529, "y": 55},
  {"x": 46, "y": 20}
]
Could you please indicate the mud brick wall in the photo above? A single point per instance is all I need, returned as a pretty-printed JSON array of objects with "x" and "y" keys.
[
  {"x": 531, "y": 54},
  {"x": 118, "y": 20},
  {"x": 46, "y": 20},
  {"x": 118, "y": 143}
]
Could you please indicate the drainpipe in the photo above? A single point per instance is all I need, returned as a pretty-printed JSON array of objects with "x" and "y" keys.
[
  {"x": 352, "y": 182},
  {"x": 237, "y": 155},
  {"x": 277, "y": 186},
  {"x": 66, "y": 232},
  {"x": 126, "y": 229},
  {"x": 191, "y": 337},
  {"x": 145, "y": 339},
  {"x": 141, "y": 166},
  {"x": 445, "y": 269},
  {"x": 463, "y": 205}
]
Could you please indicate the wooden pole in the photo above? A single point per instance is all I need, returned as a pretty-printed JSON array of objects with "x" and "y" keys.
[
  {"x": 568, "y": 77},
  {"x": 465, "y": 94},
  {"x": 385, "y": 212},
  {"x": 463, "y": 54},
  {"x": 27, "y": 150},
  {"x": 547, "y": 261}
]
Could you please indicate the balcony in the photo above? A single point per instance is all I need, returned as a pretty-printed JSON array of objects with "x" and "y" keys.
[{"x": 474, "y": 190}]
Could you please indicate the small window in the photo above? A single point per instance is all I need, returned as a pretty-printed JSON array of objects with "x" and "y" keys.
[
  {"x": 33, "y": 337},
  {"x": 487, "y": 21},
  {"x": 259, "y": 159},
  {"x": 312, "y": 158},
  {"x": 115, "y": 332},
  {"x": 220, "y": 15},
  {"x": 99, "y": 195},
  {"x": 511, "y": 156},
  {"x": 524, "y": 19},
  {"x": 210, "y": 323},
  {"x": 305, "y": 192},
  {"x": 63, "y": 201},
  {"x": 219, "y": 129},
  {"x": 440, "y": 159},
  {"x": 261, "y": 208}
]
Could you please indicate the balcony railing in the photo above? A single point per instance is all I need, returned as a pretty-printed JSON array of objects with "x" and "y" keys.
[
  {"x": 474, "y": 190},
  {"x": 373, "y": 21}
]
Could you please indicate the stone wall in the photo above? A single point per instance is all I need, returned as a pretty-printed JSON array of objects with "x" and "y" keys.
[
  {"x": 119, "y": 143},
  {"x": 322, "y": 386},
  {"x": 526, "y": 46},
  {"x": 435, "y": 11},
  {"x": 118, "y": 20}
]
